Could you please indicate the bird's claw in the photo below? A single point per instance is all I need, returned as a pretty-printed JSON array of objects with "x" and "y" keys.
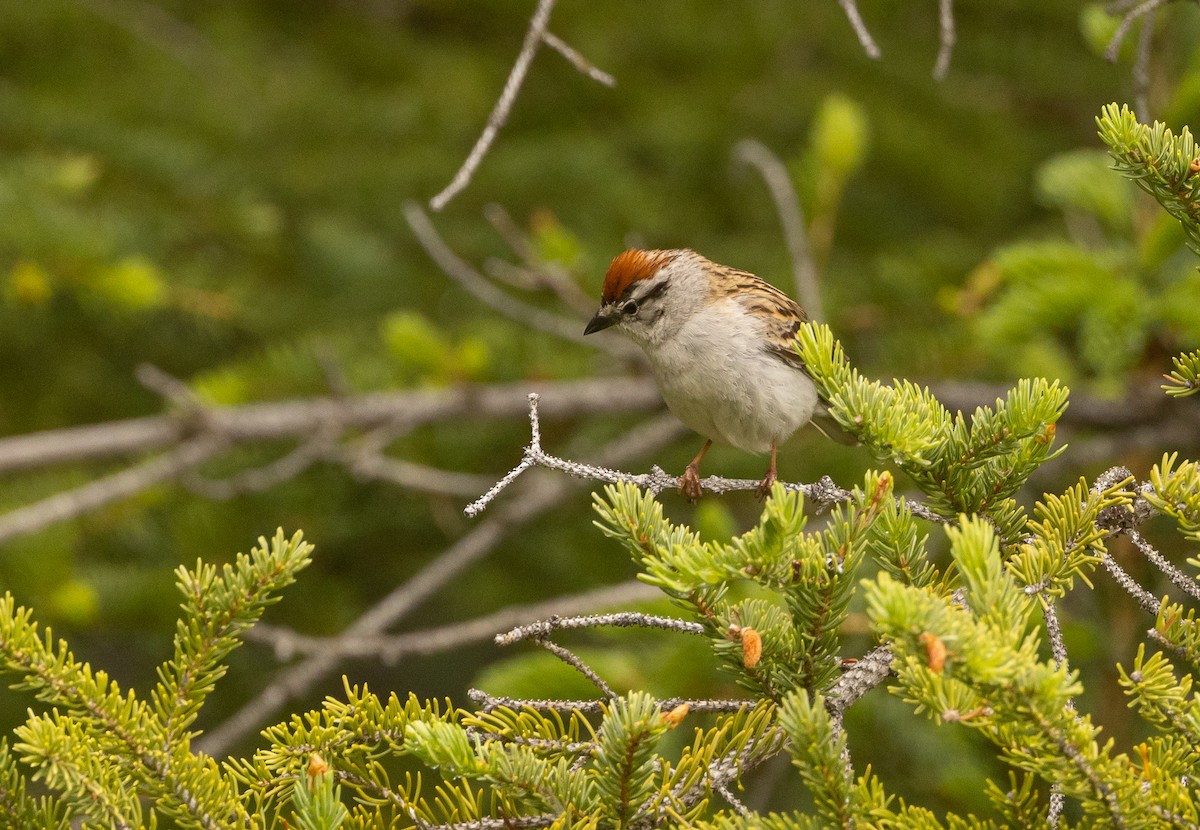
[
  {"x": 764, "y": 486},
  {"x": 689, "y": 484}
]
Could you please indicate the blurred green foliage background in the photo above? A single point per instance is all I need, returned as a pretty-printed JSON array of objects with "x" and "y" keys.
[{"x": 218, "y": 189}]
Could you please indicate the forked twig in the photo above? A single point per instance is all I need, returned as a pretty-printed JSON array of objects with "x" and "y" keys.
[
  {"x": 500, "y": 112},
  {"x": 822, "y": 492},
  {"x": 535, "y": 36}
]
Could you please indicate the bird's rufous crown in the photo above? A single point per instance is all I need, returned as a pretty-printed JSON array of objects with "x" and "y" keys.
[{"x": 631, "y": 266}]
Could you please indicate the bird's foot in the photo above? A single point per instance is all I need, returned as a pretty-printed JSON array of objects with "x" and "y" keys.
[
  {"x": 689, "y": 483},
  {"x": 764, "y": 486}
]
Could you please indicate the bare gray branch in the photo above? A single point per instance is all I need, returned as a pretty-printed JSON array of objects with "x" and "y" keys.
[
  {"x": 860, "y": 29},
  {"x": 500, "y": 112},
  {"x": 390, "y": 649},
  {"x": 791, "y": 217}
]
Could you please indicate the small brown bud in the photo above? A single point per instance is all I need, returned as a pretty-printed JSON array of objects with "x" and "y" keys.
[
  {"x": 317, "y": 766},
  {"x": 935, "y": 650},
  {"x": 1046, "y": 435},
  {"x": 676, "y": 715},
  {"x": 1194, "y": 167},
  {"x": 751, "y": 647}
]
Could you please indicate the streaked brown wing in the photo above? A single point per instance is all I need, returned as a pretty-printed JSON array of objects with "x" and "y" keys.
[{"x": 781, "y": 314}]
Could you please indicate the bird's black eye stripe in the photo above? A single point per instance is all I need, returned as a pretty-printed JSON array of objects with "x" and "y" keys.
[
  {"x": 659, "y": 288},
  {"x": 630, "y": 308}
]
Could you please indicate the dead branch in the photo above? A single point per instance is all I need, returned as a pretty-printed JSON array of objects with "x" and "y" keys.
[
  {"x": 79, "y": 501},
  {"x": 567, "y": 328},
  {"x": 390, "y": 649},
  {"x": 946, "y": 38},
  {"x": 823, "y": 492},
  {"x": 860, "y": 29},
  {"x": 539, "y": 497},
  {"x": 535, "y": 36},
  {"x": 791, "y": 217},
  {"x": 303, "y": 417}
]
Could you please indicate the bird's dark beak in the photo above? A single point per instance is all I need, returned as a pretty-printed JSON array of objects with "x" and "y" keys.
[{"x": 603, "y": 319}]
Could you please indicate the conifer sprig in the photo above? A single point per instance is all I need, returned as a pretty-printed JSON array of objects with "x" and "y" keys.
[
  {"x": 1164, "y": 164},
  {"x": 964, "y": 466},
  {"x": 1184, "y": 379},
  {"x": 102, "y": 750}
]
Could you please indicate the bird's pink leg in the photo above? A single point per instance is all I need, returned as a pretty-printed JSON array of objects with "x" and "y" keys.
[
  {"x": 764, "y": 486},
  {"x": 689, "y": 482}
]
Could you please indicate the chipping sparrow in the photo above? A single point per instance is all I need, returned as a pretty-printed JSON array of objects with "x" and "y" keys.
[{"x": 719, "y": 341}]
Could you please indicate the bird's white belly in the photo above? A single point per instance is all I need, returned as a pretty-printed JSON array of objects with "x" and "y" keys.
[{"x": 726, "y": 387}]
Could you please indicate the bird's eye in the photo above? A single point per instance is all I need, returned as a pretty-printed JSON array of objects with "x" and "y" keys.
[{"x": 630, "y": 308}]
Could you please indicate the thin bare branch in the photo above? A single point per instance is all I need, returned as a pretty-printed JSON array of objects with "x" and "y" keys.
[
  {"x": 577, "y": 60},
  {"x": 860, "y": 677},
  {"x": 390, "y": 649},
  {"x": 169, "y": 387},
  {"x": 395, "y": 413},
  {"x": 1144, "y": 598},
  {"x": 791, "y": 217},
  {"x": 860, "y": 29},
  {"x": 1131, "y": 16},
  {"x": 1178, "y": 578},
  {"x": 1058, "y": 803},
  {"x": 536, "y": 35},
  {"x": 513, "y": 236},
  {"x": 489, "y": 703},
  {"x": 567, "y": 328},
  {"x": 537, "y": 272},
  {"x": 824, "y": 493},
  {"x": 735, "y": 764},
  {"x": 573, "y": 660},
  {"x": 414, "y": 476},
  {"x": 1141, "y": 69},
  {"x": 946, "y": 39},
  {"x": 500, "y": 112},
  {"x": 156, "y": 26},
  {"x": 73, "y": 503},
  {"x": 303, "y": 417},
  {"x": 629, "y": 619},
  {"x": 541, "y": 496},
  {"x": 738, "y": 807},
  {"x": 505, "y": 823},
  {"x": 262, "y": 478},
  {"x": 1058, "y": 648}
]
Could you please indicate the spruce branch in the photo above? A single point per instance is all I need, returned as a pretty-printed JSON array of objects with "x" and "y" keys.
[
  {"x": 973, "y": 466},
  {"x": 1175, "y": 491},
  {"x": 1163, "y": 164},
  {"x": 539, "y": 497},
  {"x": 20, "y": 809},
  {"x": 101, "y": 748},
  {"x": 219, "y": 606},
  {"x": 1184, "y": 379}
]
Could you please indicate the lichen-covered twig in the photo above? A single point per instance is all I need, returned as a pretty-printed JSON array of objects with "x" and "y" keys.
[{"x": 824, "y": 492}]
